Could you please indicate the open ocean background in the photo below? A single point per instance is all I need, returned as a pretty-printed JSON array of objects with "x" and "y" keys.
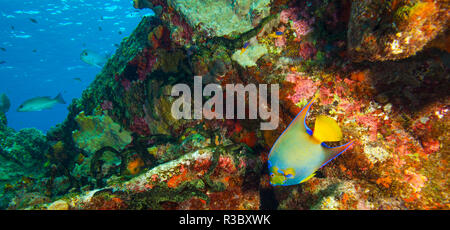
[{"x": 42, "y": 58}]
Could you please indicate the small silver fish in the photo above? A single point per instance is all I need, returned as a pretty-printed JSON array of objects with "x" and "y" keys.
[
  {"x": 4, "y": 103},
  {"x": 40, "y": 103},
  {"x": 93, "y": 58}
]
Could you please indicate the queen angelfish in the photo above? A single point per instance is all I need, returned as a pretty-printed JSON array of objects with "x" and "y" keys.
[{"x": 299, "y": 152}]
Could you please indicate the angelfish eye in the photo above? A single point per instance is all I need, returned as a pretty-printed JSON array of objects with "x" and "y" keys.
[{"x": 272, "y": 175}]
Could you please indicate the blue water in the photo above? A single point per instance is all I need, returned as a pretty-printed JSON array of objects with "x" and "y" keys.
[{"x": 43, "y": 58}]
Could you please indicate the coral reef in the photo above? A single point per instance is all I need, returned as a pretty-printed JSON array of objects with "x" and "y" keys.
[
  {"x": 240, "y": 16},
  {"x": 22, "y": 156},
  {"x": 186, "y": 16},
  {"x": 120, "y": 147},
  {"x": 97, "y": 132},
  {"x": 391, "y": 30},
  {"x": 204, "y": 179},
  {"x": 250, "y": 55}
]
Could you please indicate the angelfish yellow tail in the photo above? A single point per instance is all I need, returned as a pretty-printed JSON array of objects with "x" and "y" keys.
[{"x": 326, "y": 129}]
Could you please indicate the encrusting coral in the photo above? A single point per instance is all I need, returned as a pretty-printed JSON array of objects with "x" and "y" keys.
[{"x": 98, "y": 131}]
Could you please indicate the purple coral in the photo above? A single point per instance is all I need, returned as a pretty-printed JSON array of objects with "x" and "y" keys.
[
  {"x": 304, "y": 87},
  {"x": 289, "y": 14},
  {"x": 307, "y": 50},
  {"x": 140, "y": 126},
  {"x": 107, "y": 105},
  {"x": 126, "y": 84},
  {"x": 301, "y": 27}
]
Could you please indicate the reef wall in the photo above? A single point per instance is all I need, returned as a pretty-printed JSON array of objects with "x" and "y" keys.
[
  {"x": 23, "y": 165},
  {"x": 396, "y": 111}
]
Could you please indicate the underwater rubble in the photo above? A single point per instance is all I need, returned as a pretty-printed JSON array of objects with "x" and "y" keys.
[{"x": 380, "y": 68}]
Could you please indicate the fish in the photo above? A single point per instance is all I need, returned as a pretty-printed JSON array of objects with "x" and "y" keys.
[
  {"x": 2, "y": 62},
  {"x": 77, "y": 79},
  {"x": 2, "y": 49},
  {"x": 244, "y": 48},
  {"x": 4, "y": 103},
  {"x": 299, "y": 152},
  {"x": 40, "y": 103},
  {"x": 276, "y": 34},
  {"x": 33, "y": 20},
  {"x": 93, "y": 58}
]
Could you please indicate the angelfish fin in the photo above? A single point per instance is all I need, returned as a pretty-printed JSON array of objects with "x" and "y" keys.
[
  {"x": 309, "y": 177},
  {"x": 326, "y": 129},
  {"x": 332, "y": 153},
  {"x": 299, "y": 120}
]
